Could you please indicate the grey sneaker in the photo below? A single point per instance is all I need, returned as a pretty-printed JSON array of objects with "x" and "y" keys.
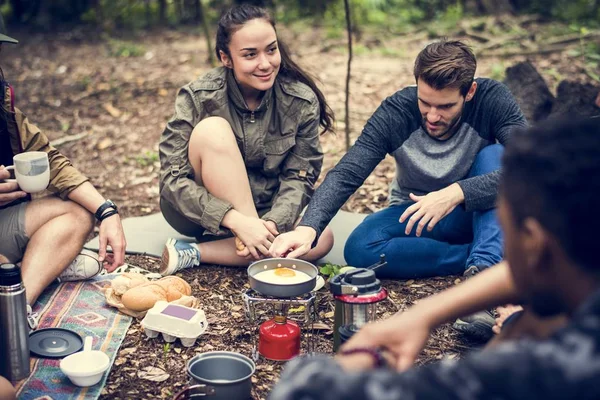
[
  {"x": 477, "y": 327},
  {"x": 32, "y": 318},
  {"x": 178, "y": 255},
  {"x": 84, "y": 266}
]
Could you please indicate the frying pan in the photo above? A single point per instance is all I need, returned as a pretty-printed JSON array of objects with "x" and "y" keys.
[{"x": 282, "y": 289}]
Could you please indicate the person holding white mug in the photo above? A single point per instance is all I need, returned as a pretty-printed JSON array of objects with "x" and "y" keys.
[{"x": 46, "y": 235}]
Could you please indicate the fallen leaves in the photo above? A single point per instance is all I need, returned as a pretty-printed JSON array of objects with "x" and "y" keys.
[{"x": 153, "y": 374}]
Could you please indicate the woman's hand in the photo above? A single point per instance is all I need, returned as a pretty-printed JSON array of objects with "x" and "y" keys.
[{"x": 255, "y": 234}]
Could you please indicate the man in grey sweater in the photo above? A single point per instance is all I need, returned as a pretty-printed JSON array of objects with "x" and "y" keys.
[{"x": 447, "y": 136}]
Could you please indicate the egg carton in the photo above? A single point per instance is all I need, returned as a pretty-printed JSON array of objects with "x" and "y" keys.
[{"x": 174, "y": 321}]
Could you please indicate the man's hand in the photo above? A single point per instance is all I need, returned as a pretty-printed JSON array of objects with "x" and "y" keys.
[
  {"x": 403, "y": 336},
  {"x": 9, "y": 191},
  {"x": 428, "y": 210},
  {"x": 111, "y": 234},
  {"x": 297, "y": 242}
]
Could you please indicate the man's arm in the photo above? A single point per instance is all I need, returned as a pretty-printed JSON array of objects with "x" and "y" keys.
[
  {"x": 500, "y": 115},
  {"x": 111, "y": 231},
  {"x": 382, "y": 134},
  {"x": 404, "y": 335}
]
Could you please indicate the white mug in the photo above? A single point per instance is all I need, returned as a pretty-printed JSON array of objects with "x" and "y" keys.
[{"x": 32, "y": 171}]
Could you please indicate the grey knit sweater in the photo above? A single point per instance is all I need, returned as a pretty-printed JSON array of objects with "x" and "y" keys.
[{"x": 423, "y": 164}]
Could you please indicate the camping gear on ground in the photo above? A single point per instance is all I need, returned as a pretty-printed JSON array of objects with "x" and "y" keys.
[
  {"x": 281, "y": 283},
  {"x": 219, "y": 375},
  {"x": 54, "y": 342},
  {"x": 85, "y": 368},
  {"x": 174, "y": 321},
  {"x": 14, "y": 330},
  {"x": 356, "y": 294}
]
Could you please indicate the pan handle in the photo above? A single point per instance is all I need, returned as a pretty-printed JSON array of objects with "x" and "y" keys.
[
  {"x": 381, "y": 263},
  {"x": 201, "y": 391}
]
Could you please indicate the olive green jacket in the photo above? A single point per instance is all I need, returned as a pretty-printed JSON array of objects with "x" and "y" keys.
[
  {"x": 279, "y": 142},
  {"x": 24, "y": 137}
]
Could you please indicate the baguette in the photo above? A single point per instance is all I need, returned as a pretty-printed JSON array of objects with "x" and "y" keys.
[{"x": 143, "y": 298}]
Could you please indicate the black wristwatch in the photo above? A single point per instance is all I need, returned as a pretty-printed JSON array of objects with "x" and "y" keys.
[{"x": 102, "y": 213}]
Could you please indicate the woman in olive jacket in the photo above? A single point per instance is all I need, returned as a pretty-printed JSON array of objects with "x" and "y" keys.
[{"x": 241, "y": 155}]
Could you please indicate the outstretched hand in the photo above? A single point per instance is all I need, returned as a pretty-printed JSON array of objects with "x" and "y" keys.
[
  {"x": 111, "y": 234},
  {"x": 293, "y": 244},
  {"x": 402, "y": 335},
  {"x": 431, "y": 208}
]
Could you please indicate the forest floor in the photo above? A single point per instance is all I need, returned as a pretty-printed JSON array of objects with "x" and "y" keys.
[{"x": 112, "y": 97}]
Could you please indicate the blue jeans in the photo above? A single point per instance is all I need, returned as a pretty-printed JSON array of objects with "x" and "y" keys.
[{"x": 459, "y": 240}]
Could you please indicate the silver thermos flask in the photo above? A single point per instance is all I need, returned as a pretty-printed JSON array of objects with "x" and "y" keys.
[{"x": 14, "y": 330}]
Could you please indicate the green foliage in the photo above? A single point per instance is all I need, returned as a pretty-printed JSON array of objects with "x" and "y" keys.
[
  {"x": 120, "y": 48},
  {"x": 498, "y": 71},
  {"x": 147, "y": 158},
  {"x": 330, "y": 270}
]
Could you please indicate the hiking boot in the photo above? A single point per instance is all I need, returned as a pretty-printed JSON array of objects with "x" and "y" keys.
[
  {"x": 84, "y": 266},
  {"x": 178, "y": 255},
  {"x": 476, "y": 327},
  {"x": 32, "y": 319}
]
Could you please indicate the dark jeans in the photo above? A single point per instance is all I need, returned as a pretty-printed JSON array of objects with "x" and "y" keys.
[{"x": 459, "y": 240}]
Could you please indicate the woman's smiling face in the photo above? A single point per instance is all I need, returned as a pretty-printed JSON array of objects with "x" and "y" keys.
[{"x": 254, "y": 56}]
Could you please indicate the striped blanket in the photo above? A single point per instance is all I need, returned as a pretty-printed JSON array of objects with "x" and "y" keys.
[{"x": 78, "y": 306}]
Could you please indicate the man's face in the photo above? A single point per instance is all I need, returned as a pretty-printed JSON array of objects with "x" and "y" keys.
[
  {"x": 441, "y": 109},
  {"x": 523, "y": 252}
]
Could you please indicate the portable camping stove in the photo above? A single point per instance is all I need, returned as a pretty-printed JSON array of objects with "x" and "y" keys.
[{"x": 279, "y": 338}]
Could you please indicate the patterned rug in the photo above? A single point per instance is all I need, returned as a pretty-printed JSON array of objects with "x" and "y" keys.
[{"x": 78, "y": 306}]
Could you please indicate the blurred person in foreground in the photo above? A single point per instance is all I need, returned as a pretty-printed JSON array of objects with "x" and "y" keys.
[{"x": 547, "y": 209}]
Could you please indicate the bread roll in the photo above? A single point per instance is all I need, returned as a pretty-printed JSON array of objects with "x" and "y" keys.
[
  {"x": 142, "y": 298},
  {"x": 126, "y": 281},
  {"x": 175, "y": 284},
  {"x": 239, "y": 245}
]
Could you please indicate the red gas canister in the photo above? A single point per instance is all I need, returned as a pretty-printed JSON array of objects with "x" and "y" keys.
[{"x": 279, "y": 339}]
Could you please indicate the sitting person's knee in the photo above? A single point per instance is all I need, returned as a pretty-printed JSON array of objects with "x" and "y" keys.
[
  {"x": 83, "y": 217},
  {"x": 7, "y": 391},
  {"x": 493, "y": 151},
  {"x": 214, "y": 132},
  {"x": 356, "y": 250}
]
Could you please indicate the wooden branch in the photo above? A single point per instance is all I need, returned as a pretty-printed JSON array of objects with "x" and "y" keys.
[
  {"x": 68, "y": 139},
  {"x": 347, "y": 102},
  {"x": 576, "y": 37},
  {"x": 538, "y": 51}
]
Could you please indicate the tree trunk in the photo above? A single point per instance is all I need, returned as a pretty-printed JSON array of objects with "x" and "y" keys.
[
  {"x": 347, "y": 102},
  {"x": 530, "y": 90},
  {"x": 162, "y": 11},
  {"x": 493, "y": 7},
  {"x": 205, "y": 28}
]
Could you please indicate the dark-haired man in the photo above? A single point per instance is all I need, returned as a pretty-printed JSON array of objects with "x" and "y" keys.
[
  {"x": 446, "y": 135},
  {"x": 547, "y": 212},
  {"x": 46, "y": 235}
]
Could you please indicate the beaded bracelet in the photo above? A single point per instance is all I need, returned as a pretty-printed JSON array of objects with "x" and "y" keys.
[{"x": 375, "y": 353}]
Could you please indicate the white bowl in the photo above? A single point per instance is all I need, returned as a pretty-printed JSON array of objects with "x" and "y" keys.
[{"x": 85, "y": 368}]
